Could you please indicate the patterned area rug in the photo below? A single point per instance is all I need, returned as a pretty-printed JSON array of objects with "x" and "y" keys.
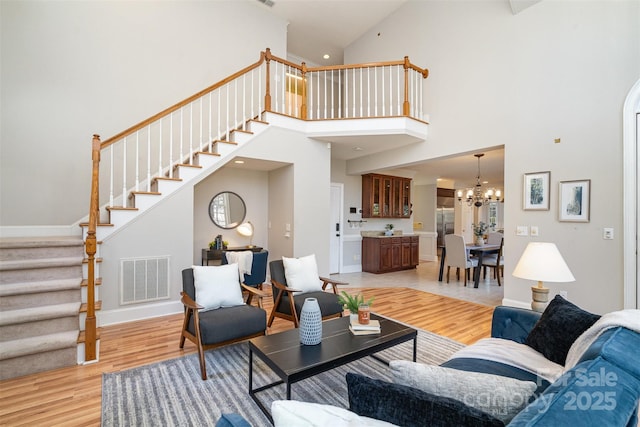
[{"x": 172, "y": 393}]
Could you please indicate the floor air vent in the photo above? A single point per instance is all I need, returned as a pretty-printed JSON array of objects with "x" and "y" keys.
[{"x": 144, "y": 279}]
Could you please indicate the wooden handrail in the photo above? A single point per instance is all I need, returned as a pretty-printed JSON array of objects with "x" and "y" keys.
[
  {"x": 264, "y": 56},
  {"x": 182, "y": 103}
]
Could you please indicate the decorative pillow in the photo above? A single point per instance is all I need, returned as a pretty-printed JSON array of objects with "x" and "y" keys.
[
  {"x": 217, "y": 286},
  {"x": 410, "y": 407},
  {"x": 302, "y": 274},
  {"x": 561, "y": 323},
  {"x": 501, "y": 397},
  {"x": 288, "y": 413}
]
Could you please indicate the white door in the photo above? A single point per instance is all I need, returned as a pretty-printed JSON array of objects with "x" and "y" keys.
[{"x": 335, "y": 228}]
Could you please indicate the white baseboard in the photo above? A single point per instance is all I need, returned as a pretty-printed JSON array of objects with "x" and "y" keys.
[
  {"x": 516, "y": 303},
  {"x": 130, "y": 314}
]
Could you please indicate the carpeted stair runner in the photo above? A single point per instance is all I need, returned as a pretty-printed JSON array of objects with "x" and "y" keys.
[{"x": 40, "y": 301}]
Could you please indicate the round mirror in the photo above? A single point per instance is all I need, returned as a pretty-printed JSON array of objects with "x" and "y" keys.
[{"x": 227, "y": 210}]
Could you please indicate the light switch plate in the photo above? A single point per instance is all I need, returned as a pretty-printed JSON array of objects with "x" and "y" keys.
[
  {"x": 607, "y": 233},
  {"x": 534, "y": 231},
  {"x": 522, "y": 230}
]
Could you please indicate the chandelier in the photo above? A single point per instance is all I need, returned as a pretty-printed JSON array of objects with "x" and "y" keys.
[{"x": 476, "y": 196}]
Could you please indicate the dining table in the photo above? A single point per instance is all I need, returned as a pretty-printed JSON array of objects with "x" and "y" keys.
[{"x": 478, "y": 250}]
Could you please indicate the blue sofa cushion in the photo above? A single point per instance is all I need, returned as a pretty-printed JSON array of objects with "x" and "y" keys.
[
  {"x": 559, "y": 326},
  {"x": 406, "y": 406},
  {"x": 511, "y": 323},
  {"x": 232, "y": 420},
  {"x": 594, "y": 393}
]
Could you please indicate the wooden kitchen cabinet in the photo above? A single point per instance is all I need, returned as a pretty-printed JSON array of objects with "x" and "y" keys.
[
  {"x": 385, "y": 196},
  {"x": 383, "y": 254}
]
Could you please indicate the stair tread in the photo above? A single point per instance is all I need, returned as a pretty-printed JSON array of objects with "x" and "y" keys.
[
  {"x": 218, "y": 141},
  {"x": 138, "y": 193},
  {"x": 166, "y": 178},
  {"x": 44, "y": 312},
  {"x": 121, "y": 208},
  {"x": 40, "y": 263},
  {"x": 39, "y": 286},
  {"x": 37, "y": 242},
  {"x": 97, "y": 282},
  {"x": 208, "y": 153},
  {"x": 82, "y": 336},
  {"x": 83, "y": 307},
  {"x": 184, "y": 165},
  {"x": 39, "y": 344}
]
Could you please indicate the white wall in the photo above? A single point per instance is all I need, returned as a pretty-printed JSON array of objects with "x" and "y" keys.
[
  {"x": 558, "y": 69},
  {"x": 72, "y": 69}
]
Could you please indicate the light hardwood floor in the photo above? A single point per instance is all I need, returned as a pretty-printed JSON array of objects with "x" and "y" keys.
[{"x": 72, "y": 396}]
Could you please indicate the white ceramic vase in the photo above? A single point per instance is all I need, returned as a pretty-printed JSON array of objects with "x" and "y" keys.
[{"x": 310, "y": 322}]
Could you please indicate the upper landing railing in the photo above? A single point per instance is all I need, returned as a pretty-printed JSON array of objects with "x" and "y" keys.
[
  {"x": 132, "y": 158},
  {"x": 151, "y": 148}
]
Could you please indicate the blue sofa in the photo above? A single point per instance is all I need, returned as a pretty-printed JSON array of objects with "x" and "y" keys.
[{"x": 602, "y": 389}]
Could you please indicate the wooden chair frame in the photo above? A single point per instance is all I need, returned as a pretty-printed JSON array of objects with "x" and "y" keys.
[
  {"x": 192, "y": 309},
  {"x": 294, "y": 314}
]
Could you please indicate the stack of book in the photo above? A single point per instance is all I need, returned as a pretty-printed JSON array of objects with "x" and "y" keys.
[{"x": 370, "y": 329}]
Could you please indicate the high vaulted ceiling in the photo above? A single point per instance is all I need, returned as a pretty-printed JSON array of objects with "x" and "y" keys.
[{"x": 317, "y": 27}]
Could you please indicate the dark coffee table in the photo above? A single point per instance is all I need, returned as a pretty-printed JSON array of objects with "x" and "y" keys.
[{"x": 294, "y": 362}]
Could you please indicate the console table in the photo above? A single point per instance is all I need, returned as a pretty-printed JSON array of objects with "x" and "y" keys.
[{"x": 216, "y": 254}]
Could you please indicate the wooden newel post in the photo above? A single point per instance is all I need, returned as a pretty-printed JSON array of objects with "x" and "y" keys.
[
  {"x": 303, "y": 107},
  {"x": 91, "y": 249},
  {"x": 267, "y": 95},
  {"x": 405, "y": 104}
]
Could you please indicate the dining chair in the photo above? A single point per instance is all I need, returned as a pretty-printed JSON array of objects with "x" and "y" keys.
[
  {"x": 495, "y": 261},
  {"x": 257, "y": 276},
  {"x": 494, "y": 238},
  {"x": 458, "y": 257}
]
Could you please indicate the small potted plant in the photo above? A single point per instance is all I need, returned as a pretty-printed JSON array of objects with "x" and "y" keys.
[
  {"x": 352, "y": 302},
  {"x": 389, "y": 230},
  {"x": 478, "y": 231}
]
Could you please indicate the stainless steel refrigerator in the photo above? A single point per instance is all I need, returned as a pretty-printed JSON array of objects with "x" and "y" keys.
[{"x": 445, "y": 218}]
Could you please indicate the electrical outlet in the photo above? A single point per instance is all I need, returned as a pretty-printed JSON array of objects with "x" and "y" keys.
[
  {"x": 534, "y": 231},
  {"x": 607, "y": 233}
]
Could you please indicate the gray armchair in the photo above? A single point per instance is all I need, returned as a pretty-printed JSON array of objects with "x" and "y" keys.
[
  {"x": 220, "y": 326},
  {"x": 287, "y": 306}
]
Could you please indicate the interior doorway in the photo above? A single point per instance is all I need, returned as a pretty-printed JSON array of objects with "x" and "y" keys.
[{"x": 335, "y": 228}]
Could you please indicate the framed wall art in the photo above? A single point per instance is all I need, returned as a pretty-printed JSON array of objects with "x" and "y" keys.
[
  {"x": 536, "y": 191},
  {"x": 575, "y": 200}
]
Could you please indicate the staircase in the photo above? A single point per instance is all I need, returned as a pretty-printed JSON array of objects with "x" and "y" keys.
[
  {"x": 46, "y": 284},
  {"x": 40, "y": 302}
]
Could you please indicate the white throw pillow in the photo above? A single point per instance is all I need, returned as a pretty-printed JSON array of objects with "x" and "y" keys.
[
  {"x": 502, "y": 397},
  {"x": 302, "y": 274},
  {"x": 293, "y": 413},
  {"x": 217, "y": 286}
]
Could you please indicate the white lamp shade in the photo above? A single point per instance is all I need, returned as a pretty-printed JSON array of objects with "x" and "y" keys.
[
  {"x": 245, "y": 229},
  {"x": 542, "y": 261}
]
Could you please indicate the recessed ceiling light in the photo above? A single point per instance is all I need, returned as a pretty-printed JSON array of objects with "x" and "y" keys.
[
  {"x": 240, "y": 162},
  {"x": 357, "y": 148},
  {"x": 326, "y": 56}
]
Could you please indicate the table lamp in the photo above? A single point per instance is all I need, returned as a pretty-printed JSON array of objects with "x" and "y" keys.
[
  {"x": 542, "y": 261},
  {"x": 246, "y": 229}
]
